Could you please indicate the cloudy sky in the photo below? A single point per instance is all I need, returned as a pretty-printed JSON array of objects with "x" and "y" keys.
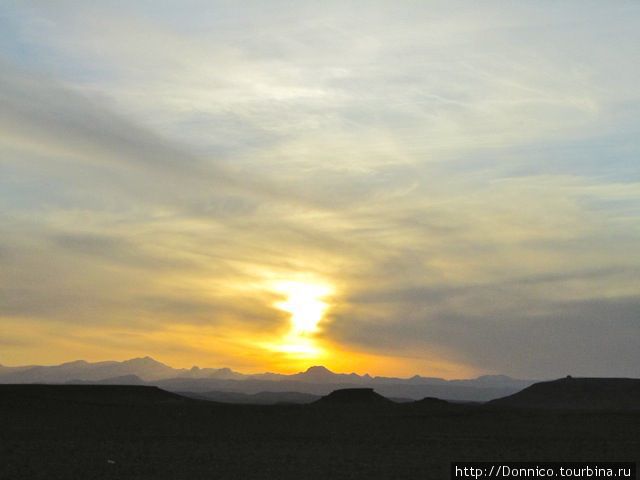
[{"x": 384, "y": 187}]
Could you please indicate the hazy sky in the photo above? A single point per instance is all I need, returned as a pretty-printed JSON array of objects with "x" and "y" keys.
[{"x": 450, "y": 188}]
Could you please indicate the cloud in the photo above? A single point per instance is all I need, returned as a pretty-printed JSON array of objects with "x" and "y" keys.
[{"x": 459, "y": 175}]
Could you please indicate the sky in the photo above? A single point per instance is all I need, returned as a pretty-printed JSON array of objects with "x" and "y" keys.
[{"x": 398, "y": 188}]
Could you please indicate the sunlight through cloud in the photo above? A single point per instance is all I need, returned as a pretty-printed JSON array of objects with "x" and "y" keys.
[{"x": 306, "y": 305}]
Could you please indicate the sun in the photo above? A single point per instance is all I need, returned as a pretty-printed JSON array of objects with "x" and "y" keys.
[{"x": 305, "y": 302}]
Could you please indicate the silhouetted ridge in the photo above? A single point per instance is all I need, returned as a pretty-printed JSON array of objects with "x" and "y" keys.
[
  {"x": 95, "y": 394},
  {"x": 578, "y": 393},
  {"x": 354, "y": 396},
  {"x": 432, "y": 401},
  {"x": 437, "y": 406},
  {"x": 319, "y": 370}
]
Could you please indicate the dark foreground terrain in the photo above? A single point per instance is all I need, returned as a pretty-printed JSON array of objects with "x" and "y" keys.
[
  {"x": 103, "y": 432},
  {"x": 578, "y": 393}
]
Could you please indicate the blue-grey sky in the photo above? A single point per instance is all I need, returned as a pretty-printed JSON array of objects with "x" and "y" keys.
[{"x": 394, "y": 187}]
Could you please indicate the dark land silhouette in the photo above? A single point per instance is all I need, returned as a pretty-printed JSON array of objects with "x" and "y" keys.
[
  {"x": 359, "y": 397},
  {"x": 139, "y": 432},
  {"x": 40, "y": 395},
  {"x": 578, "y": 393}
]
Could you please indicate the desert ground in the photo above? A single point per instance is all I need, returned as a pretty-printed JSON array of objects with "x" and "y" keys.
[{"x": 108, "y": 433}]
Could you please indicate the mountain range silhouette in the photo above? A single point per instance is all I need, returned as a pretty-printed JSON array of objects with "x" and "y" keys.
[{"x": 214, "y": 382}]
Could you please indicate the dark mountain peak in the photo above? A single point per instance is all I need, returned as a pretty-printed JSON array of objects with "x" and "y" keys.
[
  {"x": 433, "y": 401},
  {"x": 318, "y": 370},
  {"x": 144, "y": 361},
  {"x": 354, "y": 396},
  {"x": 146, "y": 358},
  {"x": 75, "y": 363},
  {"x": 433, "y": 404}
]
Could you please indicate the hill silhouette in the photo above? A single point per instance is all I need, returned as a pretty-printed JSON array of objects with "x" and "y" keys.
[
  {"x": 433, "y": 401},
  {"x": 354, "y": 396},
  {"x": 35, "y": 394},
  {"x": 439, "y": 407},
  {"x": 578, "y": 394},
  {"x": 436, "y": 404}
]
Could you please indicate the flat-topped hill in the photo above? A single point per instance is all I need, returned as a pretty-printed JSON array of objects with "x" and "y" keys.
[
  {"x": 578, "y": 394},
  {"x": 96, "y": 394},
  {"x": 354, "y": 396}
]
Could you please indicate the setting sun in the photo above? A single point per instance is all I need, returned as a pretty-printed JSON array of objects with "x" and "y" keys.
[{"x": 304, "y": 303}]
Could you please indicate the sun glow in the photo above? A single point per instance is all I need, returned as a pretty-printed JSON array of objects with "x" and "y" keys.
[{"x": 305, "y": 303}]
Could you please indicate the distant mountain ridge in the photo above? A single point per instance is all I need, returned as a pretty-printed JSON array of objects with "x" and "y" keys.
[
  {"x": 316, "y": 380},
  {"x": 146, "y": 368}
]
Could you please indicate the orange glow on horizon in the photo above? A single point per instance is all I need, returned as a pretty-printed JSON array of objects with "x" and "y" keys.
[{"x": 182, "y": 346}]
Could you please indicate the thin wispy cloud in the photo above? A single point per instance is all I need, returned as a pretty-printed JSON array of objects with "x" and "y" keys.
[{"x": 465, "y": 179}]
